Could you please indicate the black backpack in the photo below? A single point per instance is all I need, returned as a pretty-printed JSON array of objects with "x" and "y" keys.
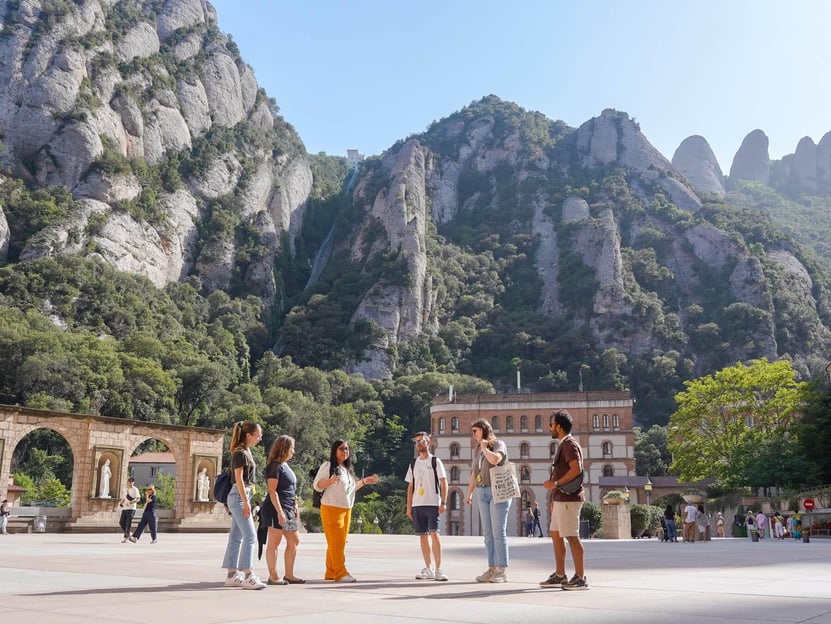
[
  {"x": 435, "y": 472},
  {"x": 222, "y": 486},
  {"x": 317, "y": 497}
]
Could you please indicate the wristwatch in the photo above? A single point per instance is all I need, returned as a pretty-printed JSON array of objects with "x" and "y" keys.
[{"x": 556, "y": 483}]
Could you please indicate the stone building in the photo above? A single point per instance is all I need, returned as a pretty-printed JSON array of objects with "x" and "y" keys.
[{"x": 603, "y": 426}]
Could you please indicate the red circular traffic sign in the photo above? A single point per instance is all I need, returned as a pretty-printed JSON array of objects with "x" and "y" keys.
[{"x": 808, "y": 503}]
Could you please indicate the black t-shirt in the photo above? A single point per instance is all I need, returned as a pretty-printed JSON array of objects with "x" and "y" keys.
[
  {"x": 150, "y": 503},
  {"x": 286, "y": 483},
  {"x": 243, "y": 458}
]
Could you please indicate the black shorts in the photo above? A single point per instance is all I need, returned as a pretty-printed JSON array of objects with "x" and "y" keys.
[{"x": 425, "y": 519}]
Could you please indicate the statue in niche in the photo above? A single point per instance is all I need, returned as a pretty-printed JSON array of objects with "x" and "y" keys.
[
  {"x": 203, "y": 485},
  {"x": 104, "y": 482}
]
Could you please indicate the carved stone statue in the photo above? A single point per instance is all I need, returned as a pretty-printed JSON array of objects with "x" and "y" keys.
[
  {"x": 203, "y": 485},
  {"x": 104, "y": 481}
]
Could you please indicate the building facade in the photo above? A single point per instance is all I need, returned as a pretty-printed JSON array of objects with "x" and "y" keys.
[{"x": 603, "y": 426}]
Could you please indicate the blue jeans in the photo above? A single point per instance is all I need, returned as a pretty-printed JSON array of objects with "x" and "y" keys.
[
  {"x": 242, "y": 540},
  {"x": 494, "y": 519},
  {"x": 671, "y": 530}
]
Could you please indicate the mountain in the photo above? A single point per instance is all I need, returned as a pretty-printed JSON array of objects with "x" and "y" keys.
[{"x": 498, "y": 240}]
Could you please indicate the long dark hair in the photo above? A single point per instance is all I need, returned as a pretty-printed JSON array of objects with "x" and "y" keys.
[
  {"x": 487, "y": 431},
  {"x": 333, "y": 456}
]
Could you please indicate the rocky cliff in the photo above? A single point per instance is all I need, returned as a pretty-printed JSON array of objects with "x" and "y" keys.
[
  {"x": 615, "y": 259},
  {"x": 144, "y": 110}
]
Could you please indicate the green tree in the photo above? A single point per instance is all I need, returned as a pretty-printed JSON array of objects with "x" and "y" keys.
[
  {"x": 53, "y": 493},
  {"x": 814, "y": 433},
  {"x": 165, "y": 491},
  {"x": 651, "y": 454},
  {"x": 722, "y": 417}
]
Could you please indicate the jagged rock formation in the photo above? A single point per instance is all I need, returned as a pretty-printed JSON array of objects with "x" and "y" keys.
[
  {"x": 110, "y": 84},
  {"x": 614, "y": 139},
  {"x": 696, "y": 160},
  {"x": 752, "y": 161}
]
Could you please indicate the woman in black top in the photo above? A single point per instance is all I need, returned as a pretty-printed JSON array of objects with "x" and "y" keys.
[
  {"x": 242, "y": 540},
  {"x": 148, "y": 516},
  {"x": 280, "y": 510},
  {"x": 669, "y": 523}
]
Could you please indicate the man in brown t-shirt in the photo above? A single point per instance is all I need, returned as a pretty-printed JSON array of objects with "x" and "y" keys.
[{"x": 565, "y": 511}]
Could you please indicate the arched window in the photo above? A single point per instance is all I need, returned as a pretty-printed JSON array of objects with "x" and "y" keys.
[
  {"x": 509, "y": 423},
  {"x": 523, "y": 423},
  {"x": 525, "y": 450},
  {"x": 495, "y": 423},
  {"x": 454, "y": 474},
  {"x": 608, "y": 471},
  {"x": 454, "y": 450},
  {"x": 552, "y": 449},
  {"x": 605, "y": 421},
  {"x": 525, "y": 474},
  {"x": 526, "y": 500},
  {"x": 538, "y": 423},
  {"x": 615, "y": 421},
  {"x": 594, "y": 421},
  {"x": 607, "y": 449},
  {"x": 455, "y": 503},
  {"x": 441, "y": 425},
  {"x": 454, "y": 424}
]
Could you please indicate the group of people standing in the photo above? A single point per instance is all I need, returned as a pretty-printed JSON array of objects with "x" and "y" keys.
[
  {"x": 335, "y": 479},
  {"x": 427, "y": 492}
]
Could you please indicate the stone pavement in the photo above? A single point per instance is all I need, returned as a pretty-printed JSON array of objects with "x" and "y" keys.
[{"x": 73, "y": 578}]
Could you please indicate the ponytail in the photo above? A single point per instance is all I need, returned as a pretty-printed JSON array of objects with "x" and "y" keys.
[{"x": 239, "y": 432}]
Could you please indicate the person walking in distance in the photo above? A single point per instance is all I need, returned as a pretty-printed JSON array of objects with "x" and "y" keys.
[
  {"x": 565, "y": 510},
  {"x": 426, "y": 500},
  {"x": 128, "y": 508},
  {"x": 4, "y": 516},
  {"x": 148, "y": 516},
  {"x": 669, "y": 522},
  {"x": 537, "y": 518},
  {"x": 242, "y": 539},
  {"x": 690, "y": 512}
]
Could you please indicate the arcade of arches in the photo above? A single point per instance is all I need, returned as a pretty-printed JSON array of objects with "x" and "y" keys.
[{"x": 97, "y": 440}]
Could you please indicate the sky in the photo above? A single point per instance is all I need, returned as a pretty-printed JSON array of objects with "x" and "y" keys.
[{"x": 363, "y": 74}]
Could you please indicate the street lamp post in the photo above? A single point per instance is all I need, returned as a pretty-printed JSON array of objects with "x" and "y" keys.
[
  {"x": 647, "y": 487},
  {"x": 360, "y": 523},
  {"x": 626, "y": 493}
]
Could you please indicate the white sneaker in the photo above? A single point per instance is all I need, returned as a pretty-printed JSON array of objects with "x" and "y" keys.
[
  {"x": 440, "y": 576},
  {"x": 346, "y": 579},
  {"x": 425, "y": 574},
  {"x": 125, "y": 540},
  {"x": 252, "y": 582},
  {"x": 234, "y": 581},
  {"x": 485, "y": 577},
  {"x": 154, "y": 541},
  {"x": 498, "y": 576}
]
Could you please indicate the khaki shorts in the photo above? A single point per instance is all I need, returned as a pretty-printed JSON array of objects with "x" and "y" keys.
[{"x": 565, "y": 518}]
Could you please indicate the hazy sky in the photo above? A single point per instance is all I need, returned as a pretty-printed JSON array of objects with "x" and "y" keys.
[{"x": 365, "y": 73}]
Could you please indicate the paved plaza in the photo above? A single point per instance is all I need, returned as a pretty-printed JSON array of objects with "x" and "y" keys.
[{"x": 74, "y": 578}]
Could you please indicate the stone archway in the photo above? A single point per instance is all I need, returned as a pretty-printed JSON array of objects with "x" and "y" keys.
[{"x": 95, "y": 439}]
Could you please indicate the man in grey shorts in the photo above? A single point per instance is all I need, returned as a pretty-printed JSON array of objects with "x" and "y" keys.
[
  {"x": 426, "y": 501},
  {"x": 565, "y": 511}
]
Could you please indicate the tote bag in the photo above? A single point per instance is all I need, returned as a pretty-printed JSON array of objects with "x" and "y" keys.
[{"x": 504, "y": 484}]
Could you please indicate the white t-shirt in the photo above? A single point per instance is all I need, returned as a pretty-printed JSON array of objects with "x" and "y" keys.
[
  {"x": 689, "y": 513},
  {"x": 133, "y": 493},
  {"x": 340, "y": 494},
  {"x": 424, "y": 481}
]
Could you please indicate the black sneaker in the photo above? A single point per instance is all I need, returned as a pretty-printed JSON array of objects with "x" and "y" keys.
[
  {"x": 555, "y": 580},
  {"x": 576, "y": 582}
]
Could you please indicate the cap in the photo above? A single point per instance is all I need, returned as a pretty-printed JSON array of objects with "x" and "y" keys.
[{"x": 131, "y": 480}]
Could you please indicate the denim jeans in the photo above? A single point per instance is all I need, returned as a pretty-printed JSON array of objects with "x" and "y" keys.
[
  {"x": 242, "y": 540},
  {"x": 494, "y": 519},
  {"x": 671, "y": 531},
  {"x": 4, "y": 520}
]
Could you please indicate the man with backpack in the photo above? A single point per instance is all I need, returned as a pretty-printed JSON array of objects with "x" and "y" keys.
[{"x": 426, "y": 501}]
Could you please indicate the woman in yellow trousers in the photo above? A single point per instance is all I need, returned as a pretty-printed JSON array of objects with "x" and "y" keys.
[{"x": 336, "y": 479}]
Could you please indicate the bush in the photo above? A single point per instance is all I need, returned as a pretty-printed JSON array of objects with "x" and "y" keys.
[{"x": 592, "y": 513}]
